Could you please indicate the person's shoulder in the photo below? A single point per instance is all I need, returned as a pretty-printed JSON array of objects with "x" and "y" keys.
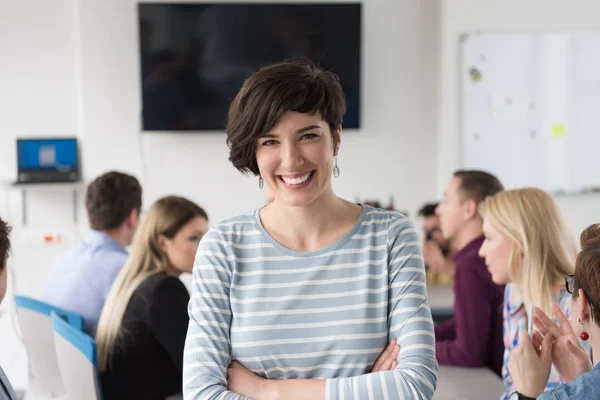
[
  {"x": 391, "y": 228},
  {"x": 589, "y": 383},
  {"x": 160, "y": 281},
  {"x": 512, "y": 301},
  {"x": 468, "y": 257},
  {"x": 92, "y": 256},
  {"x": 385, "y": 219},
  {"x": 111, "y": 261},
  {"x": 586, "y": 386},
  {"x": 239, "y": 224},
  {"x": 73, "y": 254},
  {"x": 158, "y": 289},
  {"x": 469, "y": 265}
]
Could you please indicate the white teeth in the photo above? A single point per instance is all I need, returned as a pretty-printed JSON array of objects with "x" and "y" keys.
[{"x": 296, "y": 181}]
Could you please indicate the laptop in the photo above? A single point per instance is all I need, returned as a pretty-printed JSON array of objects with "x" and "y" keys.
[{"x": 46, "y": 160}]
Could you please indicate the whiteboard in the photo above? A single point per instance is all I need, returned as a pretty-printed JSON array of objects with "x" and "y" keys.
[{"x": 530, "y": 109}]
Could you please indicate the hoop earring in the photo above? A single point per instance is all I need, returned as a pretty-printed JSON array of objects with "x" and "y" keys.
[
  {"x": 261, "y": 183},
  {"x": 583, "y": 335},
  {"x": 336, "y": 169}
]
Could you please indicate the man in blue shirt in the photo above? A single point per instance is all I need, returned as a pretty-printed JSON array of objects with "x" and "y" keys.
[
  {"x": 6, "y": 390},
  {"x": 81, "y": 280}
]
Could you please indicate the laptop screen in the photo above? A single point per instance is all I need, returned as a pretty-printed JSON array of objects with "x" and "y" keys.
[{"x": 47, "y": 154}]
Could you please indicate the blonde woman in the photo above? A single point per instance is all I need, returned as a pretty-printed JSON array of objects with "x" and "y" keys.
[
  {"x": 528, "y": 247},
  {"x": 142, "y": 328}
]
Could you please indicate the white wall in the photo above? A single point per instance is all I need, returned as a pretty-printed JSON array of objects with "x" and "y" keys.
[
  {"x": 464, "y": 16},
  {"x": 73, "y": 70},
  {"x": 375, "y": 161},
  {"x": 38, "y": 96}
]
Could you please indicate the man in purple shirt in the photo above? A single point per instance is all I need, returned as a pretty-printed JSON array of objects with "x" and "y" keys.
[{"x": 473, "y": 338}]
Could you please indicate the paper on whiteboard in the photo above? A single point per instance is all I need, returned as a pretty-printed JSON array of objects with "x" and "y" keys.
[{"x": 559, "y": 130}]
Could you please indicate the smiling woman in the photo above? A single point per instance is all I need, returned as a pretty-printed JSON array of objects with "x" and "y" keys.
[{"x": 310, "y": 296}]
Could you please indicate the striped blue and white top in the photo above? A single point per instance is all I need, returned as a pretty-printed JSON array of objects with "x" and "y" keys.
[{"x": 326, "y": 314}]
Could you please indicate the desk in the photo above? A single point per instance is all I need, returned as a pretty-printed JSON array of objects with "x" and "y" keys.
[{"x": 456, "y": 383}]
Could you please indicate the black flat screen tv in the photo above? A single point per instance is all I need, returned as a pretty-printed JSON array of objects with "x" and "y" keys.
[{"x": 195, "y": 56}]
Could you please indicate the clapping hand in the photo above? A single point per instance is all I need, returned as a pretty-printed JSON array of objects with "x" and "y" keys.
[
  {"x": 530, "y": 364},
  {"x": 568, "y": 355}
]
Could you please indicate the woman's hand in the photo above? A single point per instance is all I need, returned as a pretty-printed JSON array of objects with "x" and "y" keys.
[
  {"x": 245, "y": 382},
  {"x": 530, "y": 369},
  {"x": 568, "y": 355},
  {"x": 387, "y": 360}
]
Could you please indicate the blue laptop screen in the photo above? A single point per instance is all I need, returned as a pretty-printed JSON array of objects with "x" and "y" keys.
[{"x": 47, "y": 154}]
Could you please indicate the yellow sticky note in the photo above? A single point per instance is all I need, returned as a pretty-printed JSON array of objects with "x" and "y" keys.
[{"x": 559, "y": 130}]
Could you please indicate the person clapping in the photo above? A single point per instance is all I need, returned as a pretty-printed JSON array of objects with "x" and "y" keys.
[{"x": 560, "y": 343}]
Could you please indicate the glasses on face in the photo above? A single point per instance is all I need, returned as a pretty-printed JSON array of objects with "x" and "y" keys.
[
  {"x": 570, "y": 285},
  {"x": 429, "y": 234},
  {"x": 434, "y": 230},
  {"x": 569, "y": 282}
]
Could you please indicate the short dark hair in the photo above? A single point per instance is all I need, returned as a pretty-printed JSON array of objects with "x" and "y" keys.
[
  {"x": 477, "y": 185},
  {"x": 295, "y": 85},
  {"x": 587, "y": 269},
  {"x": 4, "y": 243},
  {"x": 110, "y": 198},
  {"x": 428, "y": 210}
]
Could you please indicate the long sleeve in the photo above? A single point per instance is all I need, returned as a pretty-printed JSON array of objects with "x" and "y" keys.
[
  {"x": 207, "y": 346},
  {"x": 446, "y": 330},
  {"x": 409, "y": 322},
  {"x": 473, "y": 313}
]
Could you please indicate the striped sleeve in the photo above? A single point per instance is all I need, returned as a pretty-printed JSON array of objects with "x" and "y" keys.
[
  {"x": 207, "y": 346},
  {"x": 409, "y": 322}
]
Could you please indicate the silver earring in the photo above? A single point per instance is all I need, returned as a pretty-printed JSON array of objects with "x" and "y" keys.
[
  {"x": 261, "y": 183},
  {"x": 336, "y": 169}
]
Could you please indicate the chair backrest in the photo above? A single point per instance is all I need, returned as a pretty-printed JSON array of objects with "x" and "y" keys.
[
  {"x": 35, "y": 324},
  {"x": 77, "y": 361}
]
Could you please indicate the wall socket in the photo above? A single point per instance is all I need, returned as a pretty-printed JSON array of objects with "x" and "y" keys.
[{"x": 42, "y": 237}]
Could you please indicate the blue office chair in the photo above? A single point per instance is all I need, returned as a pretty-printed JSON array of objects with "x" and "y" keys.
[
  {"x": 35, "y": 324},
  {"x": 77, "y": 361}
]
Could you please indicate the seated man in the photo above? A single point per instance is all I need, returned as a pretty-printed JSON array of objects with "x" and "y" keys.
[
  {"x": 6, "y": 390},
  {"x": 473, "y": 338},
  {"x": 81, "y": 280},
  {"x": 436, "y": 249}
]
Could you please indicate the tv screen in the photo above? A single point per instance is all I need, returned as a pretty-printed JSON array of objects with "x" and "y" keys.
[{"x": 195, "y": 57}]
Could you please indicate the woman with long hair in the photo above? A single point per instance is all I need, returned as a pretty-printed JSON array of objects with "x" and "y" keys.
[
  {"x": 529, "y": 248},
  {"x": 142, "y": 328}
]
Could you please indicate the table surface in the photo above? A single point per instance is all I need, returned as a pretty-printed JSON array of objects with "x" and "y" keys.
[
  {"x": 453, "y": 383},
  {"x": 456, "y": 383}
]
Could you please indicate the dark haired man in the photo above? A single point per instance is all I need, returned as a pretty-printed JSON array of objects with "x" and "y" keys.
[{"x": 81, "y": 280}]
